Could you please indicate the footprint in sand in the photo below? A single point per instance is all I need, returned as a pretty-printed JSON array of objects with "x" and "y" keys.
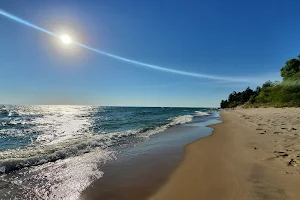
[
  {"x": 281, "y": 154},
  {"x": 292, "y": 163},
  {"x": 264, "y": 131}
]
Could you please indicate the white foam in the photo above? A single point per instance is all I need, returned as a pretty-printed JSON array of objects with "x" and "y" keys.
[
  {"x": 64, "y": 123},
  {"x": 200, "y": 113},
  {"x": 74, "y": 145},
  {"x": 14, "y": 159},
  {"x": 63, "y": 179},
  {"x": 182, "y": 119},
  {"x": 66, "y": 150},
  {"x": 13, "y": 114},
  {"x": 2, "y": 169}
]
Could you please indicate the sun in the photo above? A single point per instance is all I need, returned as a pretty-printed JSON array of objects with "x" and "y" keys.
[{"x": 66, "y": 39}]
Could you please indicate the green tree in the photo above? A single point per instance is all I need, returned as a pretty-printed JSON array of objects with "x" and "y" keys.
[
  {"x": 291, "y": 68},
  {"x": 246, "y": 95},
  {"x": 279, "y": 94},
  {"x": 224, "y": 104},
  {"x": 257, "y": 91}
]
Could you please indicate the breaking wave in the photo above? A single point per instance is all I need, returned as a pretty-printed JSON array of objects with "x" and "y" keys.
[
  {"x": 15, "y": 159},
  {"x": 200, "y": 113}
]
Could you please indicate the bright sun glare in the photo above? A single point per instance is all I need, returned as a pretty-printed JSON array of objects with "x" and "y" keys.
[{"x": 66, "y": 39}]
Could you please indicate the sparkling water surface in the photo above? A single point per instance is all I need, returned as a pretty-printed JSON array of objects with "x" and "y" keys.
[{"x": 52, "y": 152}]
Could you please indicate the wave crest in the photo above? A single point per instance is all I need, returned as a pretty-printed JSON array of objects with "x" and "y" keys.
[
  {"x": 200, "y": 113},
  {"x": 15, "y": 159}
]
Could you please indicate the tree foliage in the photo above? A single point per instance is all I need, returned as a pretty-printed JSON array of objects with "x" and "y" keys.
[
  {"x": 291, "y": 70},
  {"x": 285, "y": 93},
  {"x": 235, "y": 99}
]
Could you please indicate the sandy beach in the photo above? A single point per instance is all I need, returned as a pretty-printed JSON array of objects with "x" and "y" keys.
[
  {"x": 141, "y": 170},
  {"x": 253, "y": 154}
]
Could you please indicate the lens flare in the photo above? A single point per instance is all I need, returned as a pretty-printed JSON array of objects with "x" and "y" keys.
[{"x": 67, "y": 40}]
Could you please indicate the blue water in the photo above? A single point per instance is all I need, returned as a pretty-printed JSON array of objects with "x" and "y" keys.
[{"x": 70, "y": 142}]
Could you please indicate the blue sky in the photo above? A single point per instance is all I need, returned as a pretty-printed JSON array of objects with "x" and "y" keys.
[{"x": 221, "y": 38}]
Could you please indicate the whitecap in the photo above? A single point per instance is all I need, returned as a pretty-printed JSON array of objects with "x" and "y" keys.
[{"x": 200, "y": 113}]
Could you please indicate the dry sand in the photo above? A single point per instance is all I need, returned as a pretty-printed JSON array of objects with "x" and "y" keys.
[{"x": 253, "y": 154}]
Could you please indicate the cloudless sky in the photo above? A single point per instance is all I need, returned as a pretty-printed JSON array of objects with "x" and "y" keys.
[{"x": 224, "y": 38}]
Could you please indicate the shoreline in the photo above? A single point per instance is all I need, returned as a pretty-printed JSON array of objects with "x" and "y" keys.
[
  {"x": 141, "y": 170},
  {"x": 238, "y": 160},
  {"x": 132, "y": 159}
]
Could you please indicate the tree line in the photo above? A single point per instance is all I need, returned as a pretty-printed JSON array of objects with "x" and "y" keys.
[{"x": 277, "y": 94}]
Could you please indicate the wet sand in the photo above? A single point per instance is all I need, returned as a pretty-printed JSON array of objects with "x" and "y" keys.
[
  {"x": 141, "y": 170},
  {"x": 253, "y": 154}
]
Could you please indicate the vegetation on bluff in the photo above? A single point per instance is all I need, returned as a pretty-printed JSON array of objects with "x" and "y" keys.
[{"x": 278, "y": 94}]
